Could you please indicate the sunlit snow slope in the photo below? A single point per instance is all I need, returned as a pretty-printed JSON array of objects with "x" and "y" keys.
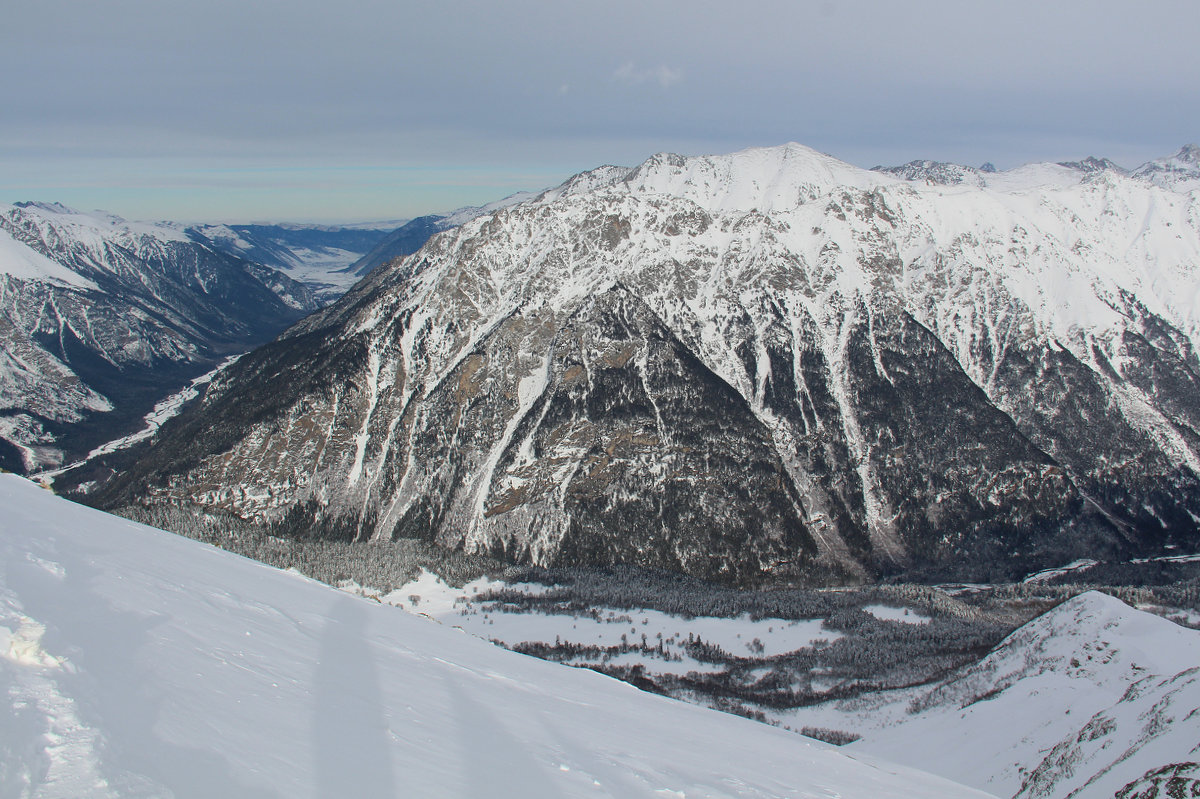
[
  {"x": 135, "y": 663},
  {"x": 1080, "y": 702}
]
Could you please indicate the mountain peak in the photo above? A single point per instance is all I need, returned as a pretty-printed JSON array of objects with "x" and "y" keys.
[
  {"x": 811, "y": 317},
  {"x": 1091, "y": 696},
  {"x": 939, "y": 172},
  {"x": 50, "y": 207},
  {"x": 1178, "y": 172},
  {"x": 1092, "y": 165},
  {"x": 1094, "y": 616},
  {"x": 762, "y": 178},
  {"x": 1189, "y": 153}
]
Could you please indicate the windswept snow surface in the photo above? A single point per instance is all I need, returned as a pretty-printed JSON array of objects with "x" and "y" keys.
[
  {"x": 136, "y": 663},
  {"x": 1079, "y": 702}
]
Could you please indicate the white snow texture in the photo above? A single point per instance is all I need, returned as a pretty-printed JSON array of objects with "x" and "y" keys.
[{"x": 136, "y": 663}]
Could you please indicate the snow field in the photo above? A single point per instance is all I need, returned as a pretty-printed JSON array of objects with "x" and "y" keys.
[
  {"x": 21, "y": 261},
  {"x": 891, "y": 613},
  {"x": 1085, "y": 698},
  {"x": 609, "y": 627},
  {"x": 197, "y": 673}
]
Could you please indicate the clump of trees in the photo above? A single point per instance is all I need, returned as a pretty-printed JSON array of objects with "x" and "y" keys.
[
  {"x": 835, "y": 737},
  {"x": 632, "y": 588},
  {"x": 381, "y": 566}
]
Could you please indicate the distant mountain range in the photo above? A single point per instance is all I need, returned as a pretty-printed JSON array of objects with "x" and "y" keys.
[
  {"x": 316, "y": 255},
  {"x": 1179, "y": 172},
  {"x": 100, "y": 317},
  {"x": 769, "y": 366}
]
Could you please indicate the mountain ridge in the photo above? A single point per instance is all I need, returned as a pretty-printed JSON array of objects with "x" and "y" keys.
[
  {"x": 103, "y": 316},
  {"x": 1085, "y": 699},
  {"x": 931, "y": 364}
]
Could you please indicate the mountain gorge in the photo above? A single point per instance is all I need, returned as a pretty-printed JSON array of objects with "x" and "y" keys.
[
  {"x": 320, "y": 256},
  {"x": 101, "y": 316},
  {"x": 764, "y": 367}
]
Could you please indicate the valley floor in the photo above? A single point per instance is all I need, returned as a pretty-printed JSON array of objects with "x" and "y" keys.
[{"x": 1089, "y": 698}]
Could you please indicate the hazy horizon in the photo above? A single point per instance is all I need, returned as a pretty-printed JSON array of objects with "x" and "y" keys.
[{"x": 368, "y": 111}]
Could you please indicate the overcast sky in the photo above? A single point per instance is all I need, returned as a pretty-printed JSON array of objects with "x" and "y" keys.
[{"x": 358, "y": 109}]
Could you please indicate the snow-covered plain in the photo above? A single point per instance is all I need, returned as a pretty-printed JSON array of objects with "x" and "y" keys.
[
  {"x": 135, "y": 663},
  {"x": 605, "y": 627},
  {"x": 891, "y": 613}
]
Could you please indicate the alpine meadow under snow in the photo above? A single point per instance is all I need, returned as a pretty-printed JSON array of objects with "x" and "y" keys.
[{"x": 135, "y": 663}]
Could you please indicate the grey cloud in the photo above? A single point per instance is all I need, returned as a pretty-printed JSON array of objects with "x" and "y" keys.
[
  {"x": 663, "y": 75},
  {"x": 524, "y": 83}
]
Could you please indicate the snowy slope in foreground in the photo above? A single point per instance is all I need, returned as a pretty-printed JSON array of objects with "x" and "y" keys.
[
  {"x": 1082, "y": 701},
  {"x": 136, "y": 663}
]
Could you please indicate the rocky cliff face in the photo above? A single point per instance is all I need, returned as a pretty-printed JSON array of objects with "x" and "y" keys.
[
  {"x": 101, "y": 317},
  {"x": 764, "y": 366}
]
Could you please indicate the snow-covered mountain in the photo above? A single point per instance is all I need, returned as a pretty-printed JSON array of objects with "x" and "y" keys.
[
  {"x": 100, "y": 317},
  {"x": 135, "y": 663},
  {"x": 941, "y": 172},
  {"x": 410, "y": 237},
  {"x": 315, "y": 255},
  {"x": 1180, "y": 172},
  {"x": 769, "y": 365},
  {"x": 1085, "y": 700}
]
